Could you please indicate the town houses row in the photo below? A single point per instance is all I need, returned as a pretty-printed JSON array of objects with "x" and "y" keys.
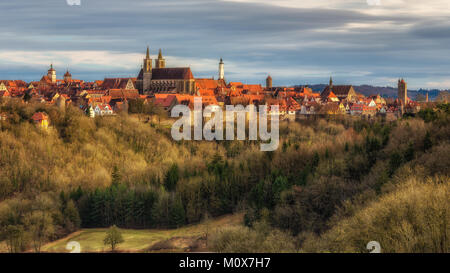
[{"x": 167, "y": 87}]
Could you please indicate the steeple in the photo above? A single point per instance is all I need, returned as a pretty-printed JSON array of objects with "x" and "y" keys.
[
  {"x": 67, "y": 76},
  {"x": 331, "y": 82},
  {"x": 160, "y": 62},
  {"x": 146, "y": 73},
  {"x": 147, "y": 62}
]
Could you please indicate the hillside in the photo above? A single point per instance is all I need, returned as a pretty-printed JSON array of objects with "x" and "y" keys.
[{"x": 84, "y": 175}]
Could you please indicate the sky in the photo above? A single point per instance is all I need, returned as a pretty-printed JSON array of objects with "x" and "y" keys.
[{"x": 295, "y": 41}]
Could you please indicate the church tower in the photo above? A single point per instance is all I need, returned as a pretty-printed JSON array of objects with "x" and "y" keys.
[
  {"x": 67, "y": 76},
  {"x": 147, "y": 72},
  {"x": 269, "y": 82},
  {"x": 402, "y": 92},
  {"x": 160, "y": 62},
  {"x": 331, "y": 82},
  {"x": 221, "y": 70},
  {"x": 52, "y": 74}
]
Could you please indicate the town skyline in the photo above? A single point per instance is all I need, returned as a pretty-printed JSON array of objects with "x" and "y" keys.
[
  {"x": 362, "y": 44},
  {"x": 61, "y": 71}
]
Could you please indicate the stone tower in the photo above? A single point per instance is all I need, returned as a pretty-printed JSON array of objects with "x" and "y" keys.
[
  {"x": 147, "y": 72},
  {"x": 52, "y": 74},
  {"x": 160, "y": 62},
  {"x": 427, "y": 100},
  {"x": 67, "y": 76},
  {"x": 269, "y": 82},
  {"x": 402, "y": 92},
  {"x": 221, "y": 70}
]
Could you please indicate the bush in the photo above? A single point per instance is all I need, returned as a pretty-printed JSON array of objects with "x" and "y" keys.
[{"x": 261, "y": 239}]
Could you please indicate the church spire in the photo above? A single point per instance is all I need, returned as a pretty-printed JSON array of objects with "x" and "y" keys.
[
  {"x": 148, "y": 61},
  {"x": 160, "y": 62},
  {"x": 331, "y": 81}
]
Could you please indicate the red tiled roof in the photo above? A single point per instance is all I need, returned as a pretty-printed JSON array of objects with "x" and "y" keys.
[
  {"x": 338, "y": 90},
  {"x": 104, "y": 106},
  {"x": 181, "y": 73},
  {"x": 5, "y": 94},
  {"x": 123, "y": 94},
  {"x": 165, "y": 101},
  {"x": 38, "y": 116},
  {"x": 115, "y": 83},
  {"x": 209, "y": 83},
  {"x": 205, "y": 92},
  {"x": 253, "y": 88},
  {"x": 46, "y": 79}
]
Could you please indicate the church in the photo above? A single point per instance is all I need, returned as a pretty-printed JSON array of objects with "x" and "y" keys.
[
  {"x": 160, "y": 79},
  {"x": 342, "y": 92}
]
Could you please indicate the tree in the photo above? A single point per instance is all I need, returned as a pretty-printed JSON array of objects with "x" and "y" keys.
[
  {"x": 113, "y": 237},
  {"x": 171, "y": 178},
  {"x": 71, "y": 215},
  {"x": 427, "y": 143},
  {"x": 160, "y": 112},
  {"x": 206, "y": 224},
  {"x": 177, "y": 215},
  {"x": 16, "y": 238},
  {"x": 116, "y": 177},
  {"x": 41, "y": 228},
  {"x": 444, "y": 96},
  {"x": 395, "y": 161},
  {"x": 279, "y": 185}
]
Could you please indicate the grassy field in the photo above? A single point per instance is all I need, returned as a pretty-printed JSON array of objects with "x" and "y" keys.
[{"x": 189, "y": 238}]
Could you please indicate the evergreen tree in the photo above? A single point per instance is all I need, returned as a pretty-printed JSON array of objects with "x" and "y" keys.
[
  {"x": 71, "y": 215},
  {"x": 171, "y": 179},
  {"x": 427, "y": 143},
  {"x": 177, "y": 216}
]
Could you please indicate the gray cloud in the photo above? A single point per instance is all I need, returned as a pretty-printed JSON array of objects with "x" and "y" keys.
[{"x": 252, "y": 37}]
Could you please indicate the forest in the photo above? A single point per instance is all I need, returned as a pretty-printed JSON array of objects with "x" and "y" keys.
[{"x": 333, "y": 185}]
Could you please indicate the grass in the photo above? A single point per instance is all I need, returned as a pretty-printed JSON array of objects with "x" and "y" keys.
[{"x": 91, "y": 240}]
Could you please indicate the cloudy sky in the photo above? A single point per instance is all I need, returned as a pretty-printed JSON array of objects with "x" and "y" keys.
[{"x": 295, "y": 41}]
